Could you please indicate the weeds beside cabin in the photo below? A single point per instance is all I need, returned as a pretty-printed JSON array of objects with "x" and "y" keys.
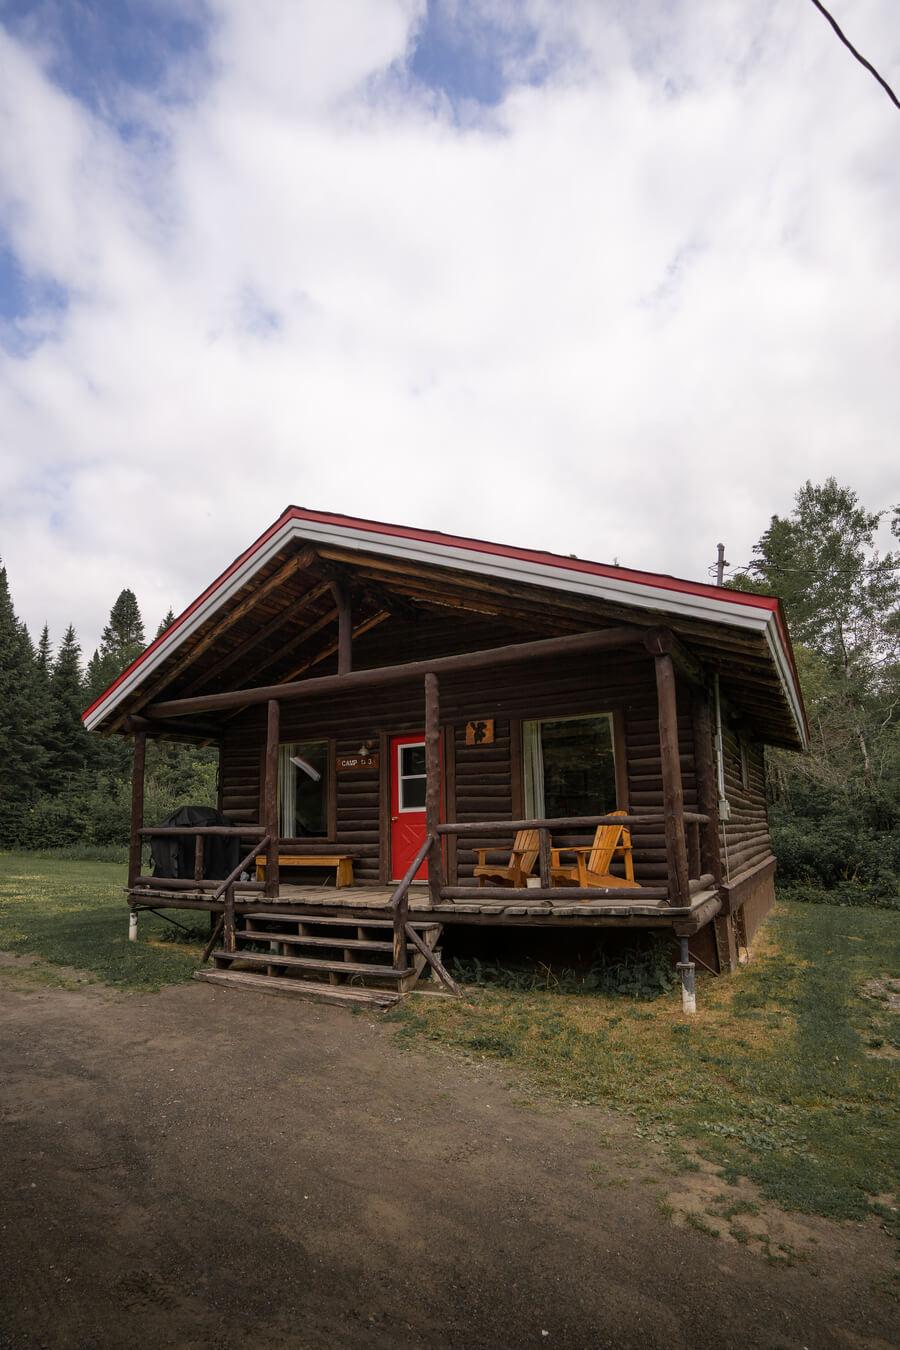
[{"x": 444, "y": 731}]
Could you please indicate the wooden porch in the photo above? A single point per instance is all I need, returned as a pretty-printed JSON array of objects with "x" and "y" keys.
[{"x": 686, "y": 899}]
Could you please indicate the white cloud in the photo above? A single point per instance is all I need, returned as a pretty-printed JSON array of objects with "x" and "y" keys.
[{"x": 624, "y": 313}]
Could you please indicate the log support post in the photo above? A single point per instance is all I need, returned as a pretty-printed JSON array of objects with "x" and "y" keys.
[
  {"x": 345, "y": 627},
  {"x": 433, "y": 784},
  {"x": 687, "y": 971},
  {"x": 673, "y": 795},
  {"x": 270, "y": 820},
  {"x": 137, "y": 807},
  {"x": 401, "y": 919},
  {"x": 228, "y": 928}
]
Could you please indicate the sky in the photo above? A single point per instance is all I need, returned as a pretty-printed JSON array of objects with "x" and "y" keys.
[{"x": 607, "y": 277}]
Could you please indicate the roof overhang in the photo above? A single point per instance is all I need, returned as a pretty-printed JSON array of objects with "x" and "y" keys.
[{"x": 673, "y": 596}]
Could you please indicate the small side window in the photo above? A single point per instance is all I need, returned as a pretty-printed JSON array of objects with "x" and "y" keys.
[{"x": 745, "y": 765}]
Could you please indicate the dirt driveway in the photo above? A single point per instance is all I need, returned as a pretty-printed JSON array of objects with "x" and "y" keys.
[{"x": 202, "y": 1168}]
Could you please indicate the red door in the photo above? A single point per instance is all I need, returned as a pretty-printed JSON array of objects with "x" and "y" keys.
[{"x": 407, "y": 803}]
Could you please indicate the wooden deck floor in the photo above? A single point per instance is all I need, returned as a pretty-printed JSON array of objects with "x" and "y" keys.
[{"x": 487, "y": 905}]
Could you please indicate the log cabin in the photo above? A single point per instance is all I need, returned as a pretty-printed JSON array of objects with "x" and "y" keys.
[{"x": 417, "y": 730}]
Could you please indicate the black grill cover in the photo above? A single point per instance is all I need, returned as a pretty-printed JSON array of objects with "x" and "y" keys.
[{"x": 175, "y": 857}]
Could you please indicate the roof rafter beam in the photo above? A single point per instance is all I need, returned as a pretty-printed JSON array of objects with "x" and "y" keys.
[
  {"x": 363, "y": 627},
  {"x": 359, "y": 582},
  {"x": 297, "y": 640},
  {"x": 662, "y": 641},
  {"x": 305, "y": 602},
  {"x": 468, "y": 582},
  {"x": 434, "y": 590},
  {"x": 287, "y": 569}
]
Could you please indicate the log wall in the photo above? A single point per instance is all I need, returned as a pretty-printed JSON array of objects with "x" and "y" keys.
[
  {"x": 745, "y": 836},
  {"x": 480, "y": 782}
]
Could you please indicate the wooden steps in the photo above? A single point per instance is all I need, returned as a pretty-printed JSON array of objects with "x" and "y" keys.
[
  {"x": 336, "y": 957},
  {"x": 350, "y": 944},
  {"x": 342, "y": 920},
  {"x": 309, "y": 963},
  {"x": 345, "y": 996}
]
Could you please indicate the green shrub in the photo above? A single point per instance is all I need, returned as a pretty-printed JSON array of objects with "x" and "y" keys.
[
  {"x": 94, "y": 811},
  {"x": 838, "y": 852}
]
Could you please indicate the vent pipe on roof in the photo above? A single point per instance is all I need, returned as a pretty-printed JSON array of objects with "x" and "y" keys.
[{"x": 721, "y": 564}]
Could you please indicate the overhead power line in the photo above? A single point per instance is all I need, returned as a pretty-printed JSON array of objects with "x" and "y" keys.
[{"x": 859, "y": 56}]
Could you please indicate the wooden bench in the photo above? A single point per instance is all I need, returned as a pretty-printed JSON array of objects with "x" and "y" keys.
[{"x": 341, "y": 862}]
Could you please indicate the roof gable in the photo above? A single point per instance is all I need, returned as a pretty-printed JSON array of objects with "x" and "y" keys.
[{"x": 378, "y": 545}]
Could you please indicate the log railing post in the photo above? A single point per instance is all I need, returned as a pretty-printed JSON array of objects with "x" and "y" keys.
[
  {"x": 707, "y": 785},
  {"x": 401, "y": 919},
  {"x": 673, "y": 795},
  {"x": 229, "y": 941},
  {"x": 137, "y": 807},
  {"x": 198, "y": 858},
  {"x": 270, "y": 820},
  {"x": 433, "y": 784},
  {"x": 544, "y": 858}
]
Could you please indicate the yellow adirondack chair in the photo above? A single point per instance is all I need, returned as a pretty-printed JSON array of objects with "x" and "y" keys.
[
  {"x": 593, "y": 861},
  {"x": 521, "y": 861}
]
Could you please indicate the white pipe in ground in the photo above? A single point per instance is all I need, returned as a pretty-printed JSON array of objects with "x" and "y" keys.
[
  {"x": 132, "y": 925},
  {"x": 688, "y": 972}
]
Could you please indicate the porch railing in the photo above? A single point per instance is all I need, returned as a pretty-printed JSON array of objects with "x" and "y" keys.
[
  {"x": 404, "y": 932},
  {"x": 199, "y": 833},
  {"x": 545, "y": 890},
  {"x": 399, "y": 902}
]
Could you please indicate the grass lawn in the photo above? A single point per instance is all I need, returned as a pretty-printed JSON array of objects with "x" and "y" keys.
[
  {"x": 787, "y": 1075},
  {"x": 74, "y": 914}
]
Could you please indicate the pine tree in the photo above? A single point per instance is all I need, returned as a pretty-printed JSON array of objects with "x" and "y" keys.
[
  {"x": 120, "y": 642},
  {"x": 166, "y": 623},
  {"x": 44, "y": 655},
  {"x": 22, "y": 754},
  {"x": 42, "y": 717},
  {"x": 123, "y": 636},
  {"x": 67, "y": 740}
]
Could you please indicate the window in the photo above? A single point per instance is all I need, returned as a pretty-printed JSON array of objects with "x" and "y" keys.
[
  {"x": 570, "y": 767},
  {"x": 412, "y": 777},
  {"x": 745, "y": 765},
  {"x": 302, "y": 789}
]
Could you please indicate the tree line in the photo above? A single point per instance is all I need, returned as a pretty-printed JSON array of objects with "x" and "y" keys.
[
  {"x": 835, "y": 811},
  {"x": 59, "y": 786}
]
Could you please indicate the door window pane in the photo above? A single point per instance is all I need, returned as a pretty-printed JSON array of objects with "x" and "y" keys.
[
  {"x": 570, "y": 767},
  {"x": 302, "y": 788},
  {"x": 412, "y": 759},
  {"x": 412, "y": 794},
  {"x": 412, "y": 777}
]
